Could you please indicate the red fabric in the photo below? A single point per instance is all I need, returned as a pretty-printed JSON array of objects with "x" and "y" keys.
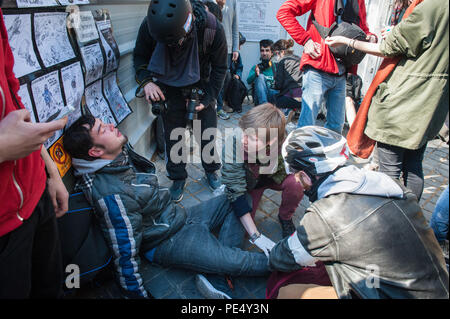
[
  {"x": 29, "y": 172},
  {"x": 324, "y": 13},
  {"x": 308, "y": 275},
  {"x": 359, "y": 143}
]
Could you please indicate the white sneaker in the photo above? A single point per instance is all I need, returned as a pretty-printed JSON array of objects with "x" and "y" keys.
[{"x": 207, "y": 290}]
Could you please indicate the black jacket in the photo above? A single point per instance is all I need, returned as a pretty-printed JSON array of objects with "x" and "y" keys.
[
  {"x": 213, "y": 60},
  {"x": 288, "y": 75}
]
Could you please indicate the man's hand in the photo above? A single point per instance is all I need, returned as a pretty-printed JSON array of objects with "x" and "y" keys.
[
  {"x": 236, "y": 76},
  {"x": 312, "y": 49},
  {"x": 337, "y": 41},
  {"x": 58, "y": 194},
  {"x": 19, "y": 137},
  {"x": 264, "y": 243},
  {"x": 371, "y": 38},
  {"x": 235, "y": 56},
  {"x": 384, "y": 32},
  {"x": 153, "y": 92},
  {"x": 200, "y": 107},
  {"x": 257, "y": 70}
]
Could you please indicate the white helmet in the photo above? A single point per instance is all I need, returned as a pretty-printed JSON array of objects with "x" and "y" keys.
[{"x": 314, "y": 150}]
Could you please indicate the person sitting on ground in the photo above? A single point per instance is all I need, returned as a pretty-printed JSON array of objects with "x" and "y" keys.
[
  {"x": 246, "y": 175},
  {"x": 137, "y": 216},
  {"x": 439, "y": 223},
  {"x": 261, "y": 76},
  {"x": 366, "y": 227},
  {"x": 288, "y": 76}
]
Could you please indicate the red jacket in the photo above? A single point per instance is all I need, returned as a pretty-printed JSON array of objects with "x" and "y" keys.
[
  {"x": 22, "y": 182},
  {"x": 323, "y": 11}
]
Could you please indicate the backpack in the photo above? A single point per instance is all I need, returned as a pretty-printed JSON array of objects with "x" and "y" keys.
[
  {"x": 82, "y": 242},
  {"x": 236, "y": 91}
]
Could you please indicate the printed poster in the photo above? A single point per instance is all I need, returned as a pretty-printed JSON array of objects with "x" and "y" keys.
[
  {"x": 117, "y": 102},
  {"x": 36, "y": 3},
  {"x": 97, "y": 104},
  {"x": 70, "y": 2},
  {"x": 19, "y": 37},
  {"x": 25, "y": 97},
  {"x": 73, "y": 83},
  {"x": 62, "y": 160},
  {"x": 52, "y": 39},
  {"x": 93, "y": 62},
  {"x": 86, "y": 30},
  {"x": 110, "y": 47}
]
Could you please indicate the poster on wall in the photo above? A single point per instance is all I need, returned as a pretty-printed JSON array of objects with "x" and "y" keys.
[
  {"x": 36, "y": 3},
  {"x": 47, "y": 96},
  {"x": 52, "y": 39},
  {"x": 86, "y": 30},
  {"x": 117, "y": 102},
  {"x": 73, "y": 83},
  {"x": 97, "y": 104},
  {"x": 18, "y": 27},
  {"x": 93, "y": 62},
  {"x": 26, "y": 101},
  {"x": 257, "y": 19},
  {"x": 70, "y": 2},
  {"x": 110, "y": 47},
  {"x": 62, "y": 160}
]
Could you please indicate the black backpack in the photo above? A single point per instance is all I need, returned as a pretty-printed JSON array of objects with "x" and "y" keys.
[{"x": 235, "y": 94}]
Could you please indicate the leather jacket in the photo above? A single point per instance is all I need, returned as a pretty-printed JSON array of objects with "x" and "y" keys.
[{"x": 372, "y": 247}]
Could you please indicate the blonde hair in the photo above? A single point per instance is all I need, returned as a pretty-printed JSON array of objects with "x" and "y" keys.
[{"x": 265, "y": 116}]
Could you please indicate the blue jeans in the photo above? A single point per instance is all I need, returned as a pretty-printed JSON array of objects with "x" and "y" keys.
[
  {"x": 439, "y": 219},
  {"x": 263, "y": 93},
  {"x": 320, "y": 87},
  {"x": 194, "y": 247}
]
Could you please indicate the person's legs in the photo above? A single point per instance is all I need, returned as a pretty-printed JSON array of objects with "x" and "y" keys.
[
  {"x": 272, "y": 95},
  {"x": 291, "y": 196},
  {"x": 390, "y": 160},
  {"x": 209, "y": 155},
  {"x": 336, "y": 104},
  {"x": 439, "y": 219},
  {"x": 413, "y": 170},
  {"x": 261, "y": 89},
  {"x": 313, "y": 95},
  {"x": 30, "y": 257}
]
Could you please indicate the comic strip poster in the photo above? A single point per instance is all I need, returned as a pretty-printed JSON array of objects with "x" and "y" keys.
[
  {"x": 36, "y": 3},
  {"x": 97, "y": 104},
  {"x": 19, "y": 37},
  {"x": 117, "y": 102},
  {"x": 62, "y": 160},
  {"x": 109, "y": 45},
  {"x": 52, "y": 38},
  {"x": 73, "y": 83},
  {"x": 70, "y": 2},
  {"x": 86, "y": 29},
  {"x": 24, "y": 95},
  {"x": 93, "y": 62}
]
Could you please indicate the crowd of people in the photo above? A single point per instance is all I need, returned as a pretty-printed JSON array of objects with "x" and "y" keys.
[{"x": 364, "y": 228}]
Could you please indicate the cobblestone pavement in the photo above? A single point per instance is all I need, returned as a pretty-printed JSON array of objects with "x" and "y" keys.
[{"x": 180, "y": 284}]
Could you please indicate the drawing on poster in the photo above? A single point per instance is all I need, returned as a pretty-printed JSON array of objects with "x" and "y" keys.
[
  {"x": 86, "y": 30},
  {"x": 18, "y": 27},
  {"x": 117, "y": 102},
  {"x": 26, "y": 101},
  {"x": 52, "y": 39},
  {"x": 97, "y": 104},
  {"x": 73, "y": 83},
  {"x": 109, "y": 45},
  {"x": 36, "y": 3},
  {"x": 93, "y": 62},
  {"x": 47, "y": 96}
]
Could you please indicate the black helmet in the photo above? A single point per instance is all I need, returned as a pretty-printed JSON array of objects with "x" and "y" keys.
[
  {"x": 169, "y": 20},
  {"x": 315, "y": 150}
]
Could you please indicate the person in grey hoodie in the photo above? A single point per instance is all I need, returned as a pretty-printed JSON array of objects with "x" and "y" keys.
[
  {"x": 137, "y": 216},
  {"x": 367, "y": 228}
]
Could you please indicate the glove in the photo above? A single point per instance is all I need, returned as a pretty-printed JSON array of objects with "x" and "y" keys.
[{"x": 263, "y": 243}]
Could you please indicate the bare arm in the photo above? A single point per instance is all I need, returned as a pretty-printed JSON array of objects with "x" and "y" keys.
[{"x": 366, "y": 47}]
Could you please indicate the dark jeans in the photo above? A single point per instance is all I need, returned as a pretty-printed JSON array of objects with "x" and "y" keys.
[
  {"x": 194, "y": 247},
  {"x": 30, "y": 257},
  {"x": 175, "y": 117},
  {"x": 394, "y": 161}
]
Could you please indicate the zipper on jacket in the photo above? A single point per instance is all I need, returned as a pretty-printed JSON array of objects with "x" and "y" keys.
[
  {"x": 3, "y": 103},
  {"x": 20, "y": 192}
]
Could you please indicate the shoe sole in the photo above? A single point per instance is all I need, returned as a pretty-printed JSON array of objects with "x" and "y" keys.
[
  {"x": 181, "y": 197},
  {"x": 207, "y": 290}
]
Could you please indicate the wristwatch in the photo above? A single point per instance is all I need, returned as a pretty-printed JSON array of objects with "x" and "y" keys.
[{"x": 255, "y": 236}]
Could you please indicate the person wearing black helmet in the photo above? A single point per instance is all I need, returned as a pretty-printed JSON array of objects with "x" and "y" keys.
[
  {"x": 180, "y": 49},
  {"x": 366, "y": 228}
]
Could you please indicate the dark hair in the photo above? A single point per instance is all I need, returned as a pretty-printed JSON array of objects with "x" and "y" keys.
[
  {"x": 214, "y": 9},
  {"x": 283, "y": 45},
  {"x": 77, "y": 139},
  {"x": 265, "y": 43}
]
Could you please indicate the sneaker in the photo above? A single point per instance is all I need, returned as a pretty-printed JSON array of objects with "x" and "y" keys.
[
  {"x": 207, "y": 290},
  {"x": 222, "y": 115},
  {"x": 227, "y": 109},
  {"x": 287, "y": 227},
  {"x": 213, "y": 180},
  {"x": 176, "y": 190}
]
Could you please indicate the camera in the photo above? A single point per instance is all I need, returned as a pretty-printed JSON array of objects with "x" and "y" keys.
[
  {"x": 265, "y": 64},
  {"x": 159, "y": 107},
  {"x": 195, "y": 95}
]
